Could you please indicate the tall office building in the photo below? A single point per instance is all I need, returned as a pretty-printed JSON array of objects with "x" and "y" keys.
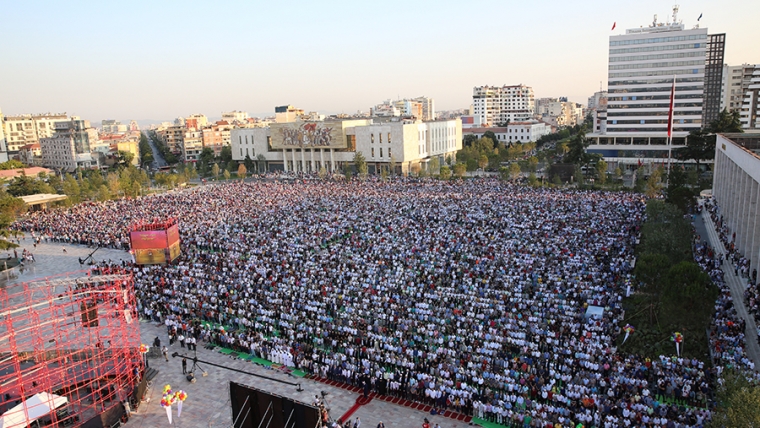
[
  {"x": 495, "y": 105},
  {"x": 643, "y": 64},
  {"x": 751, "y": 106}
]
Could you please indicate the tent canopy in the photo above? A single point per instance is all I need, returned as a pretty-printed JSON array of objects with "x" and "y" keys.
[{"x": 32, "y": 409}]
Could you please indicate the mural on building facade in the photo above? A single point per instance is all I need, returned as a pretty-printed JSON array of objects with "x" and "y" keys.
[{"x": 307, "y": 135}]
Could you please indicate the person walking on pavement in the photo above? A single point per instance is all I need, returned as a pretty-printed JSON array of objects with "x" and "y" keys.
[
  {"x": 165, "y": 351},
  {"x": 181, "y": 340},
  {"x": 381, "y": 425},
  {"x": 184, "y": 365}
]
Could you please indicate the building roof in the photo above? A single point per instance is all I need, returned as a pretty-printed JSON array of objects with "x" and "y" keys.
[
  {"x": 42, "y": 198},
  {"x": 32, "y": 172},
  {"x": 33, "y": 146}
]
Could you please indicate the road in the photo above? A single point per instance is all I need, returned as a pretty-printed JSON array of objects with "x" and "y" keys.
[{"x": 158, "y": 160}]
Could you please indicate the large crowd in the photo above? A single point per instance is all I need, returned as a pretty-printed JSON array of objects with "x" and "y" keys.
[{"x": 471, "y": 296}]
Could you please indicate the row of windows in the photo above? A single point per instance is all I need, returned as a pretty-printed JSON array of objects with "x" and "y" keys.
[
  {"x": 381, "y": 152},
  {"x": 656, "y": 65},
  {"x": 660, "y": 129},
  {"x": 659, "y": 89},
  {"x": 656, "y": 73},
  {"x": 652, "y": 113},
  {"x": 658, "y": 40},
  {"x": 653, "y": 121},
  {"x": 660, "y": 56},
  {"x": 645, "y": 106},
  {"x": 653, "y": 97},
  {"x": 657, "y": 81},
  {"x": 380, "y": 137},
  {"x": 657, "y": 48}
]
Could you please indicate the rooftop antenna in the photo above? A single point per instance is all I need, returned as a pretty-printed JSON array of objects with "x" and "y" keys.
[{"x": 675, "y": 14}]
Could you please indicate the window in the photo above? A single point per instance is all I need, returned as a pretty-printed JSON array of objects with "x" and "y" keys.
[
  {"x": 381, "y": 152},
  {"x": 389, "y": 151},
  {"x": 372, "y": 139},
  {"x": 389, "y": 141},
  {"x": 373, "y": 151},
  {"x": 380, "y": 136}
]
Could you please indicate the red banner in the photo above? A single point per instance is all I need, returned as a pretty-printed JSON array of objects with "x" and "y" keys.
[{"x": 148, "y": 240}]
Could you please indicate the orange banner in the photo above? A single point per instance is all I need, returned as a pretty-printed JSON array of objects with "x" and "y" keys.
[
  {"x": 150, "y": 256},
  {"x": 174, "y": 251}
]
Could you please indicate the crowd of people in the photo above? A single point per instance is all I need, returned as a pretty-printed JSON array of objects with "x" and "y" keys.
[{"x": 472, "y": 296}]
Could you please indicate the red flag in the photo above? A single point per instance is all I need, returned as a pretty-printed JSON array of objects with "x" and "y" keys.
[
  {"x": 640, "y": 164},
  {"x": 614, "y": 24},
  {"x": 672, "y": 103}
]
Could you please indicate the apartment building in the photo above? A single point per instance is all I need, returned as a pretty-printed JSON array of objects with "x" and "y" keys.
[
  {"x": 495, "y": 105},
  {"x": 24, "y": 129}
]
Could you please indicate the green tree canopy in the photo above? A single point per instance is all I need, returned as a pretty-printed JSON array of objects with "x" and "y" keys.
[{"x": 361, "y": 164}]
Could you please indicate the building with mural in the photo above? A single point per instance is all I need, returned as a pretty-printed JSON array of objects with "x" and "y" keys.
[{"x": 309, "y": 146}]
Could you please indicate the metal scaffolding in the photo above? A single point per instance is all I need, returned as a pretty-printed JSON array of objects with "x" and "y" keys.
[{"x": 69, "y": 349}]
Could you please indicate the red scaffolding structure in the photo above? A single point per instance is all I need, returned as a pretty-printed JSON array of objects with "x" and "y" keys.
[{"x": 69, "y": 350}]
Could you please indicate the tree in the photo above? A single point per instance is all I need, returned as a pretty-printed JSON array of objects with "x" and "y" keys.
[
  {"x": 514, "y": 171},
  {"x": 323, "y": 172},
  {"x": 225, "y": 155},
  {"x": 532, "y": 179},
  {"x": 618, "y": 173},
  {"x": 434, "y": 165},
  {"x": 71, "y": 189},
  {"x": 460, "y": 169},
  {"x": 204, "y": 161},
  {"x": 10, "y": 208},
  {"x": 532, "y": 163},
  {"x": 393, "y": 165},
  {"x": 654, "y": 183},
  {"x": 24, "y": 185},
  {"x": 248, "y": 162},
  {"x": 445, "y": 173},
  {"x": 483, "y": 162},
  {"x": 215, "y": 170},
  {"x": 726, "y": 122},
  {"x": 124, "y": 158},
  {"x": 226, "y": 174},
  {"x": 12, "y": 164},
  {"x": 738, "y": 402},
  {"x": 601, "y": 169},
  {"x": 242, "y": 170},
  {"x": 468, "y": 140},
  {"x": 491, "y": 136},
  {"x": 361, "y": 164},
  {"x": 262, "y": 164},
  {"x": 700, "y": 145}
]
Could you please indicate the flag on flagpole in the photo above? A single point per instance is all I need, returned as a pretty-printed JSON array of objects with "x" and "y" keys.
[
  {"x": 614, "y": 24},
  {"x": 700, "y": 17},
  {"x": 670, "y": 112}
]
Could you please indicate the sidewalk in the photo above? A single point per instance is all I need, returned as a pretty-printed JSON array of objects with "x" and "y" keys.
[{"x": 737, "y": 285}]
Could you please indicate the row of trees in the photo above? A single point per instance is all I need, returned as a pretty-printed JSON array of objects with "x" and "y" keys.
[
  {"x": 167, "y": 154},
  {"x": 676, "y": 295}
]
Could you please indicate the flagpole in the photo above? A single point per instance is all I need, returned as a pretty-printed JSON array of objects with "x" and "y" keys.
[{"x": 671, "y": 114}]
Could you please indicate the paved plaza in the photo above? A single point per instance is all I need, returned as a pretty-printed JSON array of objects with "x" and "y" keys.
[{"x": 208, "y": 403}]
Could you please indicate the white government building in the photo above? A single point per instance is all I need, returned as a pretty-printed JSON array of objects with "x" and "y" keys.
[
  {"x": 736, "y": 189},
  {"x": 308, "y": 146},
  {"x": 643, "y": 64}
]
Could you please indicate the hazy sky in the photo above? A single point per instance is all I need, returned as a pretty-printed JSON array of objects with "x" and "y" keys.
[{"x": 162, "y": 59}]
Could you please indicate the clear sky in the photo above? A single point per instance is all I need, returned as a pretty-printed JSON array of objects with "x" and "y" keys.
[{"x": 161, "y": 59}]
